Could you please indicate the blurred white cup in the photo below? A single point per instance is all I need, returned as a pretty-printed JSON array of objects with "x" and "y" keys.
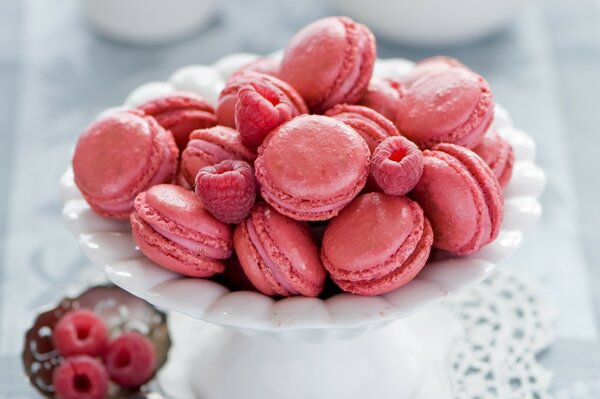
[
  {"x": 148, "y": 21},
  {"x": 431, "y": 22}
]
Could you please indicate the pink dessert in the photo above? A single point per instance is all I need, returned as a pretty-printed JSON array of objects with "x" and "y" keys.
[
  {"x": 172, "y": 228},
  {"x": 210, "y": 146},
  {"x": 461, "y": 198},
  {"x": 120, "y": 156},
  {"x": 266, "y": 65},
  {"x": 371, "y": 125},
  {"x": 383, "y": 95},
  {"x": 428, "y": 65},
  {"x": 451, "y": 105},
  {"x": 227, "y": 190},
  {"x": 278, "y": 254},
  {"x": 376, "y": 244},
  {"x": 277, "y": 98},
  {"x": 498, "y": 154},
  {"x": 329, "y": 62},
  {"x": 131, "y": 360},
  {"x": 311, "y": 167},
  {"x": 80, "y": 377},
  {"x": 396, "y": 165},
  {"x": 181, "y": 114}
]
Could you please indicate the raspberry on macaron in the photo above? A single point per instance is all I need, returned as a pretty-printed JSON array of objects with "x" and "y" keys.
[
  {"x": 396, "y": 165},
  {"x": 227, "y": 190}
]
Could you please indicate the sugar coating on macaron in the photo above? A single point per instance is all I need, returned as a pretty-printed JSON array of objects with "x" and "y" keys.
[
  {"x": 181, "y": 114},
  {"x": 209, "y": 147},
  {"x": 172, "y": 228},
  {"x": 311, "y": 167},
  {"x": 451, "y": 105},
  {"x": 498, "y": 154},
  {"x": 329, "y": 62},
  {"x": 371, "y": 125},
  {"x": 376, "y": 244},
  {"x": 119, "y": 156},
  {"x": 383, "y": 95},
  {"x": 461, "y": 197},
  {"x": 279, "y": 255}
]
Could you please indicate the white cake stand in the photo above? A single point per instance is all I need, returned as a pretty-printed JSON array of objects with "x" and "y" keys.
[{"x": 246, "y": 345}]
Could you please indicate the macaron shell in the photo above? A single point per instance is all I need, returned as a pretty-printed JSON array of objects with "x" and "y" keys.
[
  {"x": 383, "y": 96},
  {"x": 177, "y": 209},
  {"x": 389, "y": 255},
  {"x": 329, "y": 61},
  {"x": 486, "y": 180},
  {"x": 312, "y": 158},
  {"x": 371, "y": 125},
  {"x": 114, "y": 152},
  {"x": 498, "y": 154},
  {"x": 322, "y": 46},
  {"x": 211, "y": 146},
  {"x": 181, "y": 114},
  {"x": 292, "y": 257},
  {"x": 452, "y": 105},
  {"x": 402, "y": 275},
  {"x": 170, "y": 255}
]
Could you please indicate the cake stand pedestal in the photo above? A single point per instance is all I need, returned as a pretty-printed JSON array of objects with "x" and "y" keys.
[
  {"x": 401, "y": 360},
  {"x": 480, "y": 344}
]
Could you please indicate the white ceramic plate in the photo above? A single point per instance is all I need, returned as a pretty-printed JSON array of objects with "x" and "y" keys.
[{"x": 109, "y": 244}]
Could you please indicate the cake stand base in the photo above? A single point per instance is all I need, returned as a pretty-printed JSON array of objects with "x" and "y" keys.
[{"x": 384, "y": 361}]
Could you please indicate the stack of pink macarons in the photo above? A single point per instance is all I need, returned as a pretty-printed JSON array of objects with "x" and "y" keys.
[{"x": 307, "y": 170}]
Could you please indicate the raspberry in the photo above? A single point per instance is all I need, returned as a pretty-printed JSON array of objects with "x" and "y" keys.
[
  {"x": 131, "y": 360},
  {"x": 227, "y": 189},
  {"x": 80, "y": 332},
  {"x": 260, "y": 108},
  {"x": 80, "y": 377},
  {"x": 396, "y": 165}
]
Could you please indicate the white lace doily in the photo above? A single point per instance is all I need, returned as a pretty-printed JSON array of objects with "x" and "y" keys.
[{"x": 505, "y": 325}]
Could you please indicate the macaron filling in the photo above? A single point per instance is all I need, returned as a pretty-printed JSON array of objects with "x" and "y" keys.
[
  {"x": 272, "y": 267},
  {"x": 194, "y": 246},
  {"x": 219, "y": 153},
  {"x": 313, "y": 209}
]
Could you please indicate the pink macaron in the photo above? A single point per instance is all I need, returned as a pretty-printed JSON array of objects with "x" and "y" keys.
[
  {"x": 461, "y": 197},
  {"x": 181, "y": 114},
  {"x": 376, "y": 244},
  {"x": 266, "y": 65},
  {"x": 118, "y": 157},
  {"x": 269, "y": 87},
  {"x": 172, "y": 228},
  {"x": 279, "y": 255},
  {"x": 449, "y": 105},
  {"x": 311, "y": 167},
  {"x": 329, "y": 62},
  {"x": 498, "y": 154},
  {"x": 428, "y": 65},
  {"x": 370, "y": 124},
  {"x": 210, "y": 146},
  {"x": 383, "y": 95}
]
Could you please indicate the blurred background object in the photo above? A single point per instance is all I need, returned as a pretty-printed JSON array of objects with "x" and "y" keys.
[
  {"x": 148, "y": 21},
  {"x": 431, "y": 22}
]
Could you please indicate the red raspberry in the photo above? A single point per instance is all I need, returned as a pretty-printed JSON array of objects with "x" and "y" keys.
[
  {"x": 227, "y": 189},
  {"x": 396, "y": 165},
  {"x": 80, "y": 332},
  {"x": 131, "y": 360},
  {"x": 80, "y": 377},
  {"x": 260, "y": 108}
]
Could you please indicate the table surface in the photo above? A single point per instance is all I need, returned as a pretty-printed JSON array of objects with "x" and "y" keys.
[{"x": 56, "y": 75}]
